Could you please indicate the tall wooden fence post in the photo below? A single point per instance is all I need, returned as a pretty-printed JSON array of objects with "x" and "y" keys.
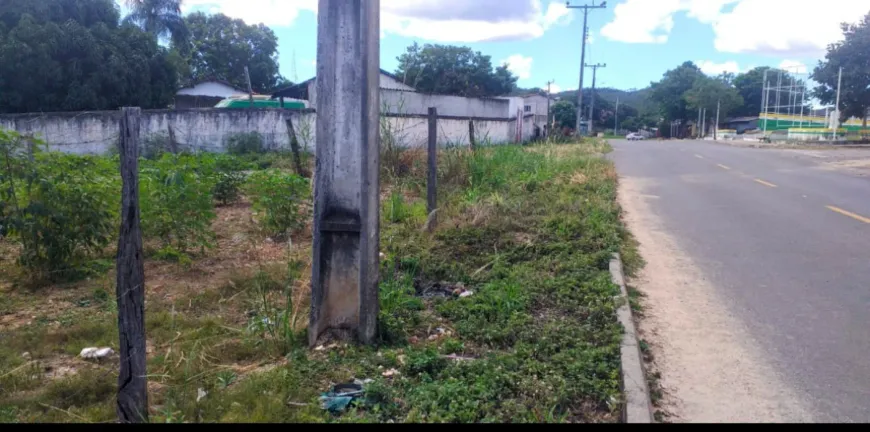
[
  {"x": 294, "y": 147},
  {"x": 132, "y": 403},
  {"x": 471, "y": 142},
  {"x": 345, "y": 262},
  {"x": 432, "y": 182}
]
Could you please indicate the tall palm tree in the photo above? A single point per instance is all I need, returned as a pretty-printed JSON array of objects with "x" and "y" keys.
[{"x": 162, "y": 18}]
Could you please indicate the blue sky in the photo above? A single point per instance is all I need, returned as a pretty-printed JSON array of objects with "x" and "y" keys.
[{"x": 637, "y": 39}]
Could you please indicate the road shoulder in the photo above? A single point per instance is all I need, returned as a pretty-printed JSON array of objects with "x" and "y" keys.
[{"x": 711, "y": 370}]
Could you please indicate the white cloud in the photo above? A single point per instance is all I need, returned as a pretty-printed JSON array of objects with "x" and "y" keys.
[
  {"x": 472, "y": 21},
  {"x": 797, "y": 27},
  {"x": 713, "y": 68},
  {"x": 793, "y": 66},
  {"x": 642, "y": 21},
  {"x": 519, "y": 65},
  {"x": 778, "y": 27},
  {"x": 436, "y": 20}
]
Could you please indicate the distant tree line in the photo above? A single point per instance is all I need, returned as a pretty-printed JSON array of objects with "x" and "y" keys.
[{"x": 72, "y": 55}]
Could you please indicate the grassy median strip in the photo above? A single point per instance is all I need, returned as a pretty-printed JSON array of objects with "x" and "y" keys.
[{"x": 505, "y": 313}]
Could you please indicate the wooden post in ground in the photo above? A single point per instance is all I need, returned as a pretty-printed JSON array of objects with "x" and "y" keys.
[
  {"x": 132, "y": 402},
  {"x": 344, "y": 280},
  {"x": 471, "y": 142},
  {"x": 432, "y": 181},
  {"x": 173, "y": 145},
  {"x": 294, "y": 147}
]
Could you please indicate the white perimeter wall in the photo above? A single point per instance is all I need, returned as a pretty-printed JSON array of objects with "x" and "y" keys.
[{"x": 208, "y": 130}]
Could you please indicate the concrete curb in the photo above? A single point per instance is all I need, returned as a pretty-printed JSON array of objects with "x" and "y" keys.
[{"x": 637, "y": 407}]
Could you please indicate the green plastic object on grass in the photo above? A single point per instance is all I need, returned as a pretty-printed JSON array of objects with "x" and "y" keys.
[{"x": 338, "y": 398}]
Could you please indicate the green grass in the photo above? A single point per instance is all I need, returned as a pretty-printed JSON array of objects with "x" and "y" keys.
[{"x": 539, "y": 336}]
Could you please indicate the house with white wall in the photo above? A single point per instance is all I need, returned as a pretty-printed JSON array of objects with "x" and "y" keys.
[
  {"x": 205, "y": 94},
  {"x": 400, "y": 100}
]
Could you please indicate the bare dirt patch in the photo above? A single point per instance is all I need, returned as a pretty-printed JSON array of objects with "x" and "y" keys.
[{"x": 711, "y": 371}]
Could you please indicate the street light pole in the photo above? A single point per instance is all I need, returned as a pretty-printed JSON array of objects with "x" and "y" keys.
[{"x": 586, "y": 9}]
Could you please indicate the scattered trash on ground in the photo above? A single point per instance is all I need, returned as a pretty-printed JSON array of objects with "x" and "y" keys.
[
  {"x": 200, "y": 394},
  {"x": 391, "y": 373},
  {"x": 340, "y": 396},
  {"x": 443, "y": 289},
  {"x": 96, "y": 353}
]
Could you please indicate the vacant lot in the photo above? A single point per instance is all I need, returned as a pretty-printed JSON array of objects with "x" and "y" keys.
[{"x": 528, "y": 231}]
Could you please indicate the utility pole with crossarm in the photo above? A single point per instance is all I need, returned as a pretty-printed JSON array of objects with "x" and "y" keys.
[
  {"x": 592, "y": 93},
  {"x": 583, "y": 57}
]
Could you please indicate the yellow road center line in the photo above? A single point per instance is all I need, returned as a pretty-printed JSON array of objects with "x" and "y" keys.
[
  {"x": 765, "y": 183},
  {"x": 723, "y": 167},
  {"x": 699, "y": 156},
  {"x": 850, "y": 214}
]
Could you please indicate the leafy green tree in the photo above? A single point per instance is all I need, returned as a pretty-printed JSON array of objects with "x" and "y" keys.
[
  {"x": 708, "y": 92},
  {"x": 72, "y": 55},
  {"x": 750, "y": 85},
  {"x": 669, "y": 93},
  {"x": 564, "y": 113},
  {"x": 220, "y": 47},
  {"x": 161, "y": 18},
  {"x": 453, "y": 70},
  {"x": 853, "y": 55}
]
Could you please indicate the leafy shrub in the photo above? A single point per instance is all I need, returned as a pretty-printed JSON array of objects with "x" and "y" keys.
[
  {"x": 176, "y": 201},
  {"x": 245, "y": 143},
  {"x": 58, "y": 216},
  {"x": 277, "y": 198},
  {"x": 226, "y": 190}
]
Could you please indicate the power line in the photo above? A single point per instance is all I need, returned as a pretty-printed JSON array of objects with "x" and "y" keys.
[{"x": 586, "y": 9}]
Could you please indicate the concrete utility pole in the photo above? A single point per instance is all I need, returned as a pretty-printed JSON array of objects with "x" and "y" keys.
[
  {"x": 344, "y": 279},
  {"x": 250, "y": 90},
  {"x": 716, "y": 126},
  {"x": 549, "y": 83},
  {"x": 765, "y": 96},
  {"x": 586, "y": 9},
  {"x": 616, "y": 116},
  {"x": 698, "y": 125},
  {"x": 837, "y": 108},
  {"x": 592, "y": 94},
  {"x": 704, "y": 124}
]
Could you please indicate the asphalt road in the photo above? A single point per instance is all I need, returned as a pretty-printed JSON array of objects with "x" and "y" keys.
[{"x": 787, "y": 244}]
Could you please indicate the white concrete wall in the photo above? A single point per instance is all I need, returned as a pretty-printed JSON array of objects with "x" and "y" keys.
[
  {"x": 213, "y": 89},
  {"x": 208, "y": 130},
  {"x": 538, "y": 104},
  {"x": 387, "y": 82},
  {"x": 405, "y": 102},
  {"x": 514, "y": 103}
]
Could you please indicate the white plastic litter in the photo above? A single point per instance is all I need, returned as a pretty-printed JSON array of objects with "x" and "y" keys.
[{"x": 96, "y": 353}]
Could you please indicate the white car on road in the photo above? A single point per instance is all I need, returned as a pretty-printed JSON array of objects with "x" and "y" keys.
[{"x": 635, "y": 137}]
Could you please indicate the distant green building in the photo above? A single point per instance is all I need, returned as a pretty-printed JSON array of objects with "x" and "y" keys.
[{"x": 259, "y": 102}]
